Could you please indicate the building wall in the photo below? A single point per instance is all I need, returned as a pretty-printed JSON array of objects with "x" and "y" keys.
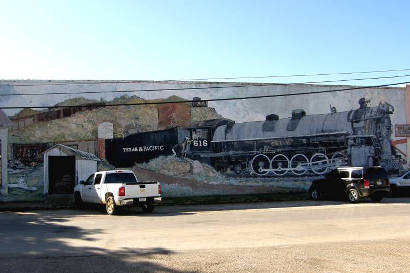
[
  {"x": 237, "y": 110},
  {"x": 83, "y": 169},
  {"x": 4, "y": 172},
  {"x": 407, "y": 115},
  {"x": 241, "y": 110}
]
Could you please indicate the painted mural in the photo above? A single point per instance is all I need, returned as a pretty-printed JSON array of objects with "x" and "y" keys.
[
  {"x": 296, "y": 146},
  {"x": 26, "y": 173},
  {"x": 194, "y": 150},
  {"x": 25, "y": 184},
  {"x": 300, "y": 145},
  {"x": 287, "y": 153}
]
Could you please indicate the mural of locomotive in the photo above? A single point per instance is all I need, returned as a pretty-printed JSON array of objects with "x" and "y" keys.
[{"x": 299, "y": 145}]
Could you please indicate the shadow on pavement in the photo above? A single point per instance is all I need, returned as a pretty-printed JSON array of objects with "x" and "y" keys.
[{"x": 34, "y": 242}]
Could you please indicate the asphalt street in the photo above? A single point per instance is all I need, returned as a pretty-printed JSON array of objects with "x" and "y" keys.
[{"x": 299, "y": 236}]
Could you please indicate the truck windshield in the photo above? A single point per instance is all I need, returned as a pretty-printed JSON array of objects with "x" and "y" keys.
[{"x": 120, "y": 178}]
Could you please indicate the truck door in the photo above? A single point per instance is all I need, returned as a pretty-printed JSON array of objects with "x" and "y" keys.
[
  {"x": 94, "y": 191},
  {"x": 85, "y": 193},
  {"x": 91, "y": 190}
]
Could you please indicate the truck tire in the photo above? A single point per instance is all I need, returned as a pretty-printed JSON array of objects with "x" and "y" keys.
[
  {"x": 147, "y": 207},
  {"x": 110, "y": 206},
  {"x": 78, "y": 202}
]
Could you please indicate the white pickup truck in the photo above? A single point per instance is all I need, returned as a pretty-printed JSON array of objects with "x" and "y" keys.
[{"x": 117, "y": 188}]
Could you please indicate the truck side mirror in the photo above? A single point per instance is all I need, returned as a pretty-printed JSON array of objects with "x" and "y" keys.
[{"x": 82, "y": 182}]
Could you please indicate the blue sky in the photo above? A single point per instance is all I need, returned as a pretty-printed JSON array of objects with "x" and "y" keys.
[{"x": 157, "y": 40}]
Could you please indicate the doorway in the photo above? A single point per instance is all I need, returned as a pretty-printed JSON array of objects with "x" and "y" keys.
[{"x": 61, "y": 173}]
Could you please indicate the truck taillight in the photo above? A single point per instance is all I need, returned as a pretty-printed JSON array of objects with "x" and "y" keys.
[
  {"x": 121, "y": 191},
  {"x": 366, "y": 183},
  {"x": 159, "y": 188}
]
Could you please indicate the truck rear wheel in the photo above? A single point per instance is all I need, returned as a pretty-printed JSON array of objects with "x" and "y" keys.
[
  {"x": 147, "y": 207},
  {"x": 110, "y": 205}
]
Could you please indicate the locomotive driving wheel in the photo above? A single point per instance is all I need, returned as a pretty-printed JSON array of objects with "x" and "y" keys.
[
  {"x": 260, "y": 164},
  {"x": 279, "y": 164},
  {"x": 299, "y": 164},
  {"x": 319, "y": 163}
]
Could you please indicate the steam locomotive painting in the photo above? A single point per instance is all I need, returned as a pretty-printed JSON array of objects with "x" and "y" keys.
[{"x": 299, "y": 145}]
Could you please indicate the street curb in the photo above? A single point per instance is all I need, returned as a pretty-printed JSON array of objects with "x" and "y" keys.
[
  {"x": 56, "y": 204},
  {"x": 232, "y": 199}
]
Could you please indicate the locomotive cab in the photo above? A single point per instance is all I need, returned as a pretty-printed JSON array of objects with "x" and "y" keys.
[
  {"x": 201, "y": 135},
  {"x": 362, "y": 150}
]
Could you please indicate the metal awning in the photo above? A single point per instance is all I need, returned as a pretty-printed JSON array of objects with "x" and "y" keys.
[{"x": 82, "y": 154}]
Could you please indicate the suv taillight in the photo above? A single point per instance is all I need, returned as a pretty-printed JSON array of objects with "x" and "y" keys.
[
  {"x": 121, "y": 191},
  {"x": 159, "y": 189},
  {"x": 366, "y": 183}
]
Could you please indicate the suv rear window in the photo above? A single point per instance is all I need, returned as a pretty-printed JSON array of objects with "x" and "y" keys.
[
  {"x": 375, "y": 173},
  {"x": 344, "y": 174},
  {"x": 120, "y": 178},
  {"x": 357, "y": 174}
]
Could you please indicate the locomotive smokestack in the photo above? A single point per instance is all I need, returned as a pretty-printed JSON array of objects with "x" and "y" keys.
[
  {"x": 298, "y": 113},
  {"x": 272, "y": 117}
]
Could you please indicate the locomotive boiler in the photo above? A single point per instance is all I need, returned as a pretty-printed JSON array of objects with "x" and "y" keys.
[{"x": 299, "y": 145}]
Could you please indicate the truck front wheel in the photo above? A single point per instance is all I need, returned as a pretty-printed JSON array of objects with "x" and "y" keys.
[{"x": 110, "y": 205}]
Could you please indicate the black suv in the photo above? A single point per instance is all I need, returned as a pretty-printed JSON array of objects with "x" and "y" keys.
[{"x": 352, "y": 183}]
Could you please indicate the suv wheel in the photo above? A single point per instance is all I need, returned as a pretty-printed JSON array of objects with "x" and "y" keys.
[{"x": 353, "y": 195}]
